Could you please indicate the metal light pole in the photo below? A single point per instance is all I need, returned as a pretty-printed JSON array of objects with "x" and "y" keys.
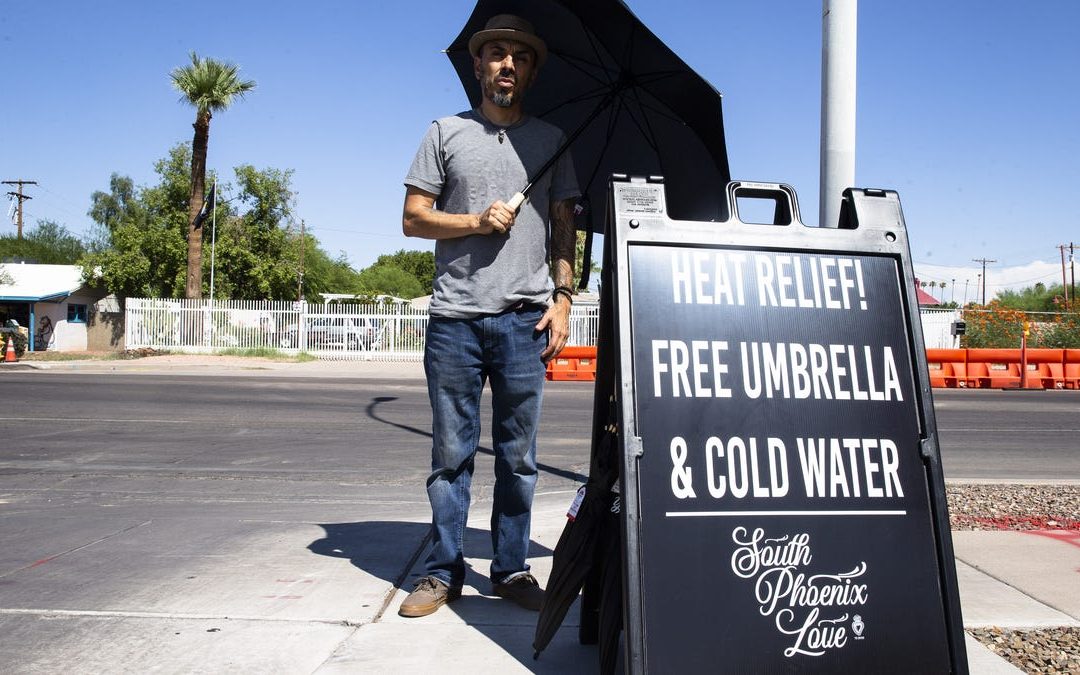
[{"x": 839, "y": 30}]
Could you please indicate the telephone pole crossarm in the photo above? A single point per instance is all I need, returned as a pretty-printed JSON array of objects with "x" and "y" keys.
[
  {"x": 983, "y": 276},
  {"x": 21, "y": 197}
]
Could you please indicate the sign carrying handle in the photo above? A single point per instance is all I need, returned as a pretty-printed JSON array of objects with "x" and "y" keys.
[{"x": 786, "y": 210}]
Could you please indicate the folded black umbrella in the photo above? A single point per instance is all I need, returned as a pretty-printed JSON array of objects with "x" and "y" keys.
[
  {"x": 627, "y": 103},
  {"x": 589, "y": 550}
]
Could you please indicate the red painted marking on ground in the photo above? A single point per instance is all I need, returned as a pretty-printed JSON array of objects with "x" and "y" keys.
[
  {"x": 1066, "y": 536},
  {"x": 41, "y": 562}
]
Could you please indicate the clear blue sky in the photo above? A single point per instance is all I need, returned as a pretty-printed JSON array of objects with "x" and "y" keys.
[{"x": 968, "y": 109}]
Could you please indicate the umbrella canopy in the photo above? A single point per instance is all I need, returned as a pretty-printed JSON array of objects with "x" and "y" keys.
[{"x": 626, "y": 101}]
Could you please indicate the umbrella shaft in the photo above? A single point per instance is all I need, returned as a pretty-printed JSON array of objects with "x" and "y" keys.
[{"x": 604, "y": 103}]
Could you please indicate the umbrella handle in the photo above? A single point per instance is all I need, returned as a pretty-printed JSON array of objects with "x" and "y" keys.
[{"x": 516, "y": 201}]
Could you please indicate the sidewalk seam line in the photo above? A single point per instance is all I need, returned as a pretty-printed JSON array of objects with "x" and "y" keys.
[
  {"x": 121, "y": 614},
  {"x": 77, "y": 548},
  {"x": 402, "y": 576},
  {"x": 1018, "y": 590}
]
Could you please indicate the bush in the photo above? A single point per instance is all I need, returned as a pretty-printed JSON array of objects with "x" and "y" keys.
[
  {"x": 996, "y": 326},
  {"x": 1062, "y": 333},
  {"x": 20, "y": 342},
  {"x": 999, "y": 326}
]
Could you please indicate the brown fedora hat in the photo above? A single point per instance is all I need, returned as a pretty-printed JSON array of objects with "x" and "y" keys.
[{"x": 509, "y": 27}]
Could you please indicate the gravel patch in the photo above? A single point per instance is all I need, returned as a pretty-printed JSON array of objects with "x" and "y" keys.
[
  {"x": 1049, "y": 650},
  {"x": 1022, "y": 507},
  {"x": 1013, "y": 507}
]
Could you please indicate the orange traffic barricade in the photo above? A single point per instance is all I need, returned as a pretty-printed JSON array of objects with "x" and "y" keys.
[
  {"x": 1071, "y": 368},
  {"x": 948, "y": 367},
  {"x": 1000, "y": 367},
  {"x": 573, "y": 363},
  {"x": 1044, "y": 369}
]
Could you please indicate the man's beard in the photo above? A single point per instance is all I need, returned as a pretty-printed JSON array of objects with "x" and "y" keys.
[{"x": 498, "y": 96}]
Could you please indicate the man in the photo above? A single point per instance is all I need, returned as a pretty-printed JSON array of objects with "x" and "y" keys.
[{"x": 496, "y": 314}]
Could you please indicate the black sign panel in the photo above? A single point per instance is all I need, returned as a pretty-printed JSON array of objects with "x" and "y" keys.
[{"x": 783, "y": 511}]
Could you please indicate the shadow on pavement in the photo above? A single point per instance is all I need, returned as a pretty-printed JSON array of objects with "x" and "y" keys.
[
  {"x": 376, "y": 547},
  {"x": 546, "y": 468},
  {"x": 391, "y": 550}
]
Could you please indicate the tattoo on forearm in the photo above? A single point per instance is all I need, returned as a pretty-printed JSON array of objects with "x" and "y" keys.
[{"x": 562, "y": 242}]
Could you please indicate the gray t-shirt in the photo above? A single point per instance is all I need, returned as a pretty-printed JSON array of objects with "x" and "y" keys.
[{"x": 468, "y": 165}]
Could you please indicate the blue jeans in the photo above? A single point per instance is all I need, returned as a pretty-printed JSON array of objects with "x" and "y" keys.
[{"x": 460, "y": 356}]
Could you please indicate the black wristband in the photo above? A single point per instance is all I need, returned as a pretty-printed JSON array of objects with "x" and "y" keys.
[{"x": 564, "y": 291}]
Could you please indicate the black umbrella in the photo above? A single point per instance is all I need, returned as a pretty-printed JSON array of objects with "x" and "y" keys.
[
  {"x": 588, "y": 551},
  {"x": 627, "y": 103}
]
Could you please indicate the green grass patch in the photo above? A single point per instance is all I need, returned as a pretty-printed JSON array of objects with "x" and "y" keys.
[{"x": 267, "y": 353}]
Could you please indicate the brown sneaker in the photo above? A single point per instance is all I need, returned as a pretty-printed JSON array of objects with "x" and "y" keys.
[
  {"x": 522, "y": 589},
  {"x": 428, "y": 595}
]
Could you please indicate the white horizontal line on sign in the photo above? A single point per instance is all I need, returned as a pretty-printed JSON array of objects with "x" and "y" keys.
[{"x": 723, "y": 514}]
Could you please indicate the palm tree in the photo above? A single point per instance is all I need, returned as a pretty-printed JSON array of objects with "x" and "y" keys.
[{"x": 210, "y": 86}]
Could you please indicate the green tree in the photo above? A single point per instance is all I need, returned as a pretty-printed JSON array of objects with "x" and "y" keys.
[
  {"x": 254, "y": 257},
  {"x": 420, "y": 264},
  {"x": 388, "y": 279},
  {"x": 141, "y": 246},
  {"x": 579, "y": 261},
  {"x": 209, "y": 86},
  {"x": 140, "y": 250},
  {"x": 49, "y": 243},
  {"x": 1037, "y": 298},
  {"x": 323, "y": 274}
]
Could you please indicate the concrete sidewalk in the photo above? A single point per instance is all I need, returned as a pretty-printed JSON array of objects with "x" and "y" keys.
[
  {"x": 272, "y": 595},
  {"x": 212, "y": 364},
  {"x": 280, "y": 589}
]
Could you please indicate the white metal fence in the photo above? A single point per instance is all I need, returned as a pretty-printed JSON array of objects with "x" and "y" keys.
[
  {"x": 334, "y": 331},
  {"x": 937, "y": 327},
  {"x": 338, "y": 331}
]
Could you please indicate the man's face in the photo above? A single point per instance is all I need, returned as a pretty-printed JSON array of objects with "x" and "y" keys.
[{"x": 505, "y": 69}]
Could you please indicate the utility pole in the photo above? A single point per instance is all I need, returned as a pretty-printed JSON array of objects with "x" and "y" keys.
[
  {"x": 983, "y": 275},
  {"x": 952, "y": 292},
  {"x": 21, "y": 197},
  {"x": 300, "y": 283},
  {"x": 1072, "y": 270},
  {"x": 1064, "y": 283}
]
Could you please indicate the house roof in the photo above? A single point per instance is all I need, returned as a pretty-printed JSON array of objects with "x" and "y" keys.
[
  {"x": 37, "y": 283},
  {"x": 924, "y": 297}
]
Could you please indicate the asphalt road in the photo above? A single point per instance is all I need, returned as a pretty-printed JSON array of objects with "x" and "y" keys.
[
  {"x": 370, "y": 437},
  {"x": 209, "y": 523}
]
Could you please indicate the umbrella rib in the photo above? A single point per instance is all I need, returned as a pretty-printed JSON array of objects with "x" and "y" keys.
[
  {"x": 646, "y": 132},
  {"x": 580, "y": 98}
]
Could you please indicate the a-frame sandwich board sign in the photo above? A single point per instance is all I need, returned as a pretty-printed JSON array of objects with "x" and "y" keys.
[{"x": 782, "y": 494}]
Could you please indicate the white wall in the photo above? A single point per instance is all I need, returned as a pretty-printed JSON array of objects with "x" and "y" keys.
[{"x": 66, "y": 337}]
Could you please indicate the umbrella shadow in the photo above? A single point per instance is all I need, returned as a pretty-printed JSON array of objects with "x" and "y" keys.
[
  {"x": 391, "y": 550},
  {"x": 546, "y": 468},
  {"x": 385, "y": 549}
]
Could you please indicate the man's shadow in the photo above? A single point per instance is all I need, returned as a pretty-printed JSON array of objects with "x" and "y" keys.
[
  {"x": 391, "y": 550},
  {"x": 394, "y": 551},
  {"x": 546, "y": 468}
]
